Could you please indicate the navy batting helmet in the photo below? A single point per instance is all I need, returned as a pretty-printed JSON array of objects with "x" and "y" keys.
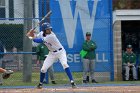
[{"x": 46, "y": 26}]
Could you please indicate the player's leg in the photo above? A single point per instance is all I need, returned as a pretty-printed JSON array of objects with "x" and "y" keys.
[
  {"x": 46, "y": 74},
  {"x": 63, "y": 59},
  {"x": 85, "y": 69},
  {"x": 91, "y": 70},
  {"x": 51, "y": 74},
  {"x": 47, "y": 63},
  {"x": 127, "y": 72},
  {"x": 134, "y": 72}
]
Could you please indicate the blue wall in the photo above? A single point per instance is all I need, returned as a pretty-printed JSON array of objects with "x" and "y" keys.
[{"x": 71, "y": 19}]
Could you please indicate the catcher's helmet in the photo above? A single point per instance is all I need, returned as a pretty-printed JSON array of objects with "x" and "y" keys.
[{"x": 46, "y": 26}]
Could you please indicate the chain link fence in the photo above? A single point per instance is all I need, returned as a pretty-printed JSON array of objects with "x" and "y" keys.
[
  {"x": 12, "y": 27},
  {"x": 11, "y": 39}
]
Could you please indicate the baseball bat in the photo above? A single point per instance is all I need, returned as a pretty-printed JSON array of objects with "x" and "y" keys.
[{"x": 49, "y": 13}]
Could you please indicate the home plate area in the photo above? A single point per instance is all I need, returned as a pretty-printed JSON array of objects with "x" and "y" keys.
[{"x": 80, "y": 89}]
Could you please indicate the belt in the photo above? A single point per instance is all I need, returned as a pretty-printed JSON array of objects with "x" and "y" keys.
[{"x": 57, "y": 50}]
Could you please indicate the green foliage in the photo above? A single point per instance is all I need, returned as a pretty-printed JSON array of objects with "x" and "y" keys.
[{"x": 11, "y": 35}]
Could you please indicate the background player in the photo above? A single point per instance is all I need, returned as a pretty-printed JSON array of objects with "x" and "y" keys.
[
  {"x": 88, "y": 60},
  {"x": 56, "y": 51},
  {"x": 129, "y": 62}
]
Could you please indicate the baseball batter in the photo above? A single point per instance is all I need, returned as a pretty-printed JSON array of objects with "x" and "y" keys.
[{"x": 56, "y": 51}]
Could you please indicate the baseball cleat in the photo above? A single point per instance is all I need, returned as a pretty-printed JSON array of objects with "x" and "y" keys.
[
  {"x": 39, "y": 86},
  {"x": 73, "y": 85},
  {"x": 87, "y": 79},
  {"x": 53, "y": 82},
  {"x": 94, "y": 81},
  {"x": 84, "y": 81}
]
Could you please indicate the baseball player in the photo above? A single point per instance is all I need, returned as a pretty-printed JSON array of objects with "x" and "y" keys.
[
  {"x": 56, "y": 51},
  {"x": 129, "y": 62},
  {"x": 42, "y": 52},
  {"x": 88, "y": 59}
]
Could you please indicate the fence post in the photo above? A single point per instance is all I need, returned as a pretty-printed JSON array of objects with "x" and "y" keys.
[{"x": 27, "y": 44}]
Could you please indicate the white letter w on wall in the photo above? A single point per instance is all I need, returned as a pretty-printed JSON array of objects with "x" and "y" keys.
[{"x": 70, "y": 21}]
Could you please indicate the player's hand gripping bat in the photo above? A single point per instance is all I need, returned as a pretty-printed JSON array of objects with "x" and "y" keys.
[{"x": 30, "y": 34}]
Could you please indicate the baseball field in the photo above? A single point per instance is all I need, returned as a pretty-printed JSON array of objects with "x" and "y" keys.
[{"x": 15, "y": 85}]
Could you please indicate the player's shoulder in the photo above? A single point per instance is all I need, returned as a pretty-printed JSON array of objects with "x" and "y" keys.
[
  {"x": 52, "y": 33},
  {"x": 49, "y": 36},
  {"x": 40, "y": 34},
  {"x": 85, "y": 42},
  {"x": 133, "y": 53}
]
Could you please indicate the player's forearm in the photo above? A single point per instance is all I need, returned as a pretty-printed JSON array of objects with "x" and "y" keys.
[
  {"x": 2, "y": 70},
  {"x": 86, "y": 48},
  {"x": 38, "y": 40}
]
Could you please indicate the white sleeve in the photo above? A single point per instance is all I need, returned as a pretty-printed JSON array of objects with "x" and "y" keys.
[
  {"x": 48, "y": 38},
  {"x": 45, "y": 39},
  {"x": 39, "y": 35}
]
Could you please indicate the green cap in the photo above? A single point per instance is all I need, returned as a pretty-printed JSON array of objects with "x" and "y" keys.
[
  {"x": 129, "y": 46},
  {"x": 88, "y": 34}
]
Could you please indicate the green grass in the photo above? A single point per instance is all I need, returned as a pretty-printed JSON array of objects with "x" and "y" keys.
[
  {"x": 16, "y": 79},
  {"x": 61, "y": 78}
]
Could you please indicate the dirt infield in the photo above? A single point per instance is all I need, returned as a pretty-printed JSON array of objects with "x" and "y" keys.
[{"x": 101, "y": 89}]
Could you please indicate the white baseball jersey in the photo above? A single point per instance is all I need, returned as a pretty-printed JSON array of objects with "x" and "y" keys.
[
  {"x": 39, "y": 35},
  {"x": 56, "y": 51},
  {"x": 50, "y": 41}
]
